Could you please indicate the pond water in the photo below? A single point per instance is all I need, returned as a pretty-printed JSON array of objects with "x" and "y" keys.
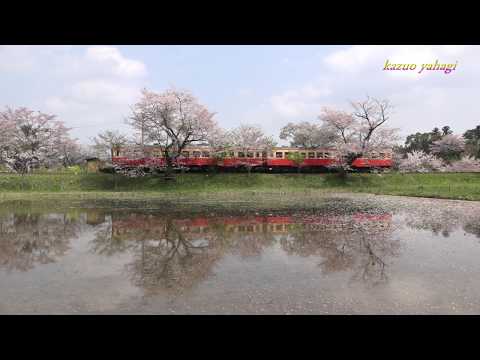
[{"x": 358, "y": 255}]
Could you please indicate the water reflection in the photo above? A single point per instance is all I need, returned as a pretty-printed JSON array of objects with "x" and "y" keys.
[
  {"x": 361, "y": 243},
  {"x": 175, "y": 253},
  {"x": 29, "y": 239}
]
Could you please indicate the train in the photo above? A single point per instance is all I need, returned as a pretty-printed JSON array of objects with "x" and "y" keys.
[
  {"x": 200, "y": 225},
  {"x": 277, "y": 159}
]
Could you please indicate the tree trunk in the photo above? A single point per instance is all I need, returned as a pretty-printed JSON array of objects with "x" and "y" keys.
[
  {"x": 169, "y": 169},
  {"x": 342, "y": 173}
]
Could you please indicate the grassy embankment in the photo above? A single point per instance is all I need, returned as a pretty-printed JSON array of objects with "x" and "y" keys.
[{"x": 241, "y": 187}]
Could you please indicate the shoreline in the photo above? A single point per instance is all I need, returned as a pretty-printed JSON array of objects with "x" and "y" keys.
[{"x": 253, "y": 189}]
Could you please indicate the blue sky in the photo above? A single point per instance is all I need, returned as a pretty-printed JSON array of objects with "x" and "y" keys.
[{"x": 92, "y": 87}]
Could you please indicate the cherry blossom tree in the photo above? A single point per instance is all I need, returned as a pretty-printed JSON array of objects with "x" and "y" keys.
[
  {"x": 108, "y": 141},
  {"x": 356, "y": 134},
  {"x": 32, "y": 139},
  {"x": 450, "y": 147},
  {"x": 173, "y": 120},
  {"x": 465, "y": 164},
  {"x": 472, "y": 141},
  {"x": 7, "y": 127},
  {"x": 307, "y": 135},
  {"x": 340, "y": 124},
  {"x": 220, "y": 142},
  {"x": 250, "y": 138},
  {"x": 370, "y": 114},
  {"x": 418, "y": 161}
]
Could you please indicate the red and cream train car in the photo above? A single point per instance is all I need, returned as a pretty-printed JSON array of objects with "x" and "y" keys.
[{"x": 278, "y": 158}]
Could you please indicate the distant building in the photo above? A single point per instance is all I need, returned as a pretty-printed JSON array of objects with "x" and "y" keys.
[{"x": 94, "y": 164}]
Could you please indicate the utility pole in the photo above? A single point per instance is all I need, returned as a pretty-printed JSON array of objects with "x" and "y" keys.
[{"x": 143, "y": 144}]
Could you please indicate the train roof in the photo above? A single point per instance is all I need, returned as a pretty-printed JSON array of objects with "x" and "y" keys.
[{"x": 275, "y": 148}]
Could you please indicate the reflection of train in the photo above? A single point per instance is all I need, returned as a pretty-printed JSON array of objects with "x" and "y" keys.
[
  {"x": 278, "y": 158},
  {"x": 154, "y": 226}
]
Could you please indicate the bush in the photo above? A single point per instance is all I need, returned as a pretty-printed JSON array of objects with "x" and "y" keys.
[
  {"x": 418, "y": 161},
  {"x": 465, "y": 164},
  {"x": 76, "y": 170}
]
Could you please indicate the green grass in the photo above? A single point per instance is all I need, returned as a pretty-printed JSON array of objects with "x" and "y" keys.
[{"x": 237, "y": 186}]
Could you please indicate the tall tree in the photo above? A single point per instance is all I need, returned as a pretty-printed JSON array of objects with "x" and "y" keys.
[
  {"x": 32, "y": 139},
  {"x": 108, "y": 141},
  {"x": 250, "y": 138},
  {"x": 370, "y": 114},
  {"x": 173, "y": 120},
  {"x": 436, "y": 134},
  {"x": 359, "y": 133},
  {"x": 472, "y": 142},
  {"x": 446, "y": 130},
  {"x": 419, "y": 142},
  {"x": 450, "y": 147},
  {"x": 306, "y": 135}
]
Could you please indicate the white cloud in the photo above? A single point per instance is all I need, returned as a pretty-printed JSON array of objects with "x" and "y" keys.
[
  {"x": 297, "y": 103},
  {"x": 92, "y": 86},
  {"x": 361, "y": 58},
  {"x": 421, "y": 101},
  {"x": 112, "y": 59}
]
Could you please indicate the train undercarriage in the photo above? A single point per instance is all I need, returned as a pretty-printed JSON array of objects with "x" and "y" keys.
[{"x": 139, "y": 171}]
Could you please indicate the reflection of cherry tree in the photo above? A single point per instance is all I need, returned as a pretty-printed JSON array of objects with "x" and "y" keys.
[
  {"x": 173, "y": 260},
  {"x": 373, "y": 252},
  {"x": 473, "y": 227},
  {"x": 250, "y": 241},
  {"x": 347, "y": 243},
  {"x": 30, "y": 239},
  {"x": 438, "y": 221},
  {"x": 107, "y": 242},
  {"x": 176, "y": 254}
]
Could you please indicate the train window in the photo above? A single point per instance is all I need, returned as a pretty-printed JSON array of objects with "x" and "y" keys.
[
  {"x": 279, "y": 155},
  {"x": 196, "y": 154},
  {"x": 257, "y": 155},
  {"x": 286, "y": 154},
  {"x": 311, "y": 155},
  {"x": 250, "y": 154},
  {"x": 374, "y": 155},
  {"x": 231, "y": 154},
  {"x": 304, "y": 155},
  {"x": 271, "y": 154},
  {"x": 205, "y": 154},
  {"x": 319, "y": 155},
  {"x": 264, "y": 154},
  {"x": 185, "y": 154},
  {"x": 382, "y": 155},
  {"x": 241, "y": 154},
  {"x": 326, "y": 155},
  {"x": 279, "y": 227}
]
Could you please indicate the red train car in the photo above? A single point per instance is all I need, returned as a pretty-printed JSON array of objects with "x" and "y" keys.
[{"x": 276, "y": 159}]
